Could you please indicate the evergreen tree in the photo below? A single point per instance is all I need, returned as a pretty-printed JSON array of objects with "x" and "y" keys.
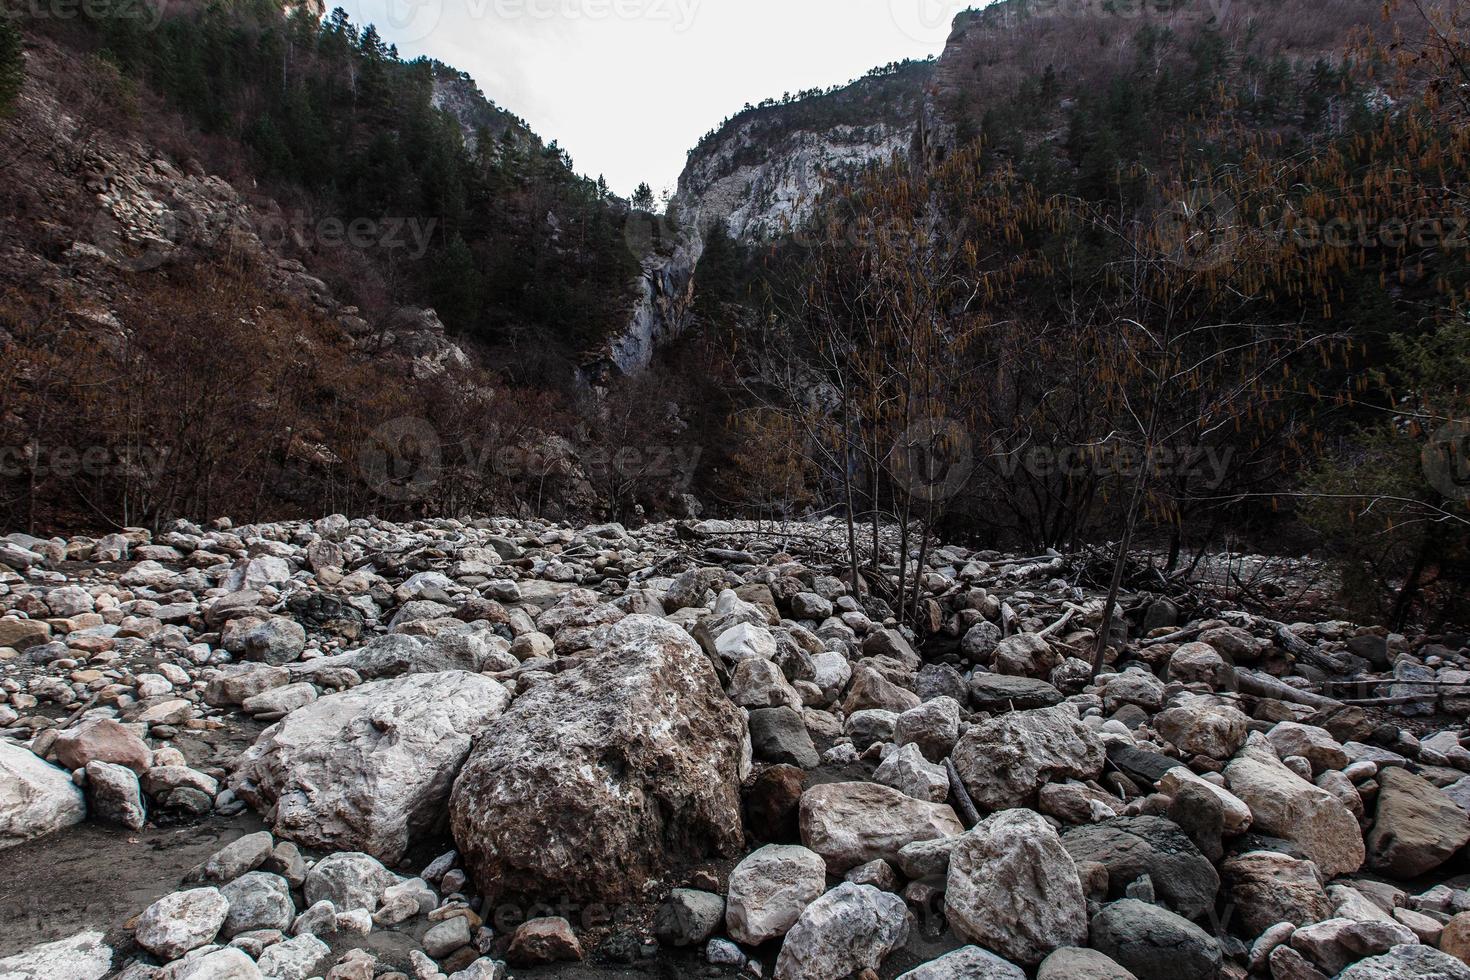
[{"x": 643, "y": 197}]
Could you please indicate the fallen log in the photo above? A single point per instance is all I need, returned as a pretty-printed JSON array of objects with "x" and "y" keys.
[
  {"x": 1188, "y": 633},
  {"x": 1265, "y": 686},
  {"x": 1308, "y": 654},
  {"x": 965, "y": 806}
]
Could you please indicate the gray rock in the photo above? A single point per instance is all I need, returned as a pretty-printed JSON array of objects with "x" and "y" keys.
[
  {"x": 1201, "y": 726},
  {"x": 688, "y": 917},
  {"x": 1001, "y": 692},
  {"x": 221, "y": 964},
  {"x": 1155, "y": 846},
  {"x": 258, "y": 900},
  {"x": 911, "y": 774},
  {"x": 446, "y": 937},
  {"x": 966, "y": 963},
  {"x": 349, "y": 881},
  {"x": 1013, "y": 888},
  {"x": 849, "y": 929},
  {"x": 854, "y": 823},
  {"x": 979, "y": 642},
  {"x": 1154, "y": 943},
  {"x": 604, "y": 776},
  {"x": 769, "y": 889},
  {"x": 1080, "y": 963},
  {"x": 237, "y": 857},
  {"x": 1408, "y": 962},
  {"x": 941, "y": 680},
  {"x": 370, "y": 768},
  {"x": 115, "y": 796},
  {"x": 1005, "y": 760},
  {"x": 294, "y": 959},
  {"x": 933, "y": 726},
  {"x": 36, "y": 798},
  {"x": 85, "y": 956},
  {"x": 182, "y": 921},
  {"x": 779, "y": 735},
  {"x": 276, "y": 641}
]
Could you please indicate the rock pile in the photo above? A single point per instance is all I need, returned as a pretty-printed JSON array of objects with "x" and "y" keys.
[{"x": 691, "y": 744}]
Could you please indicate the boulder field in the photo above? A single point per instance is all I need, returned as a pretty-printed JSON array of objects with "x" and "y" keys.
[{"x": 479, "y": 747}]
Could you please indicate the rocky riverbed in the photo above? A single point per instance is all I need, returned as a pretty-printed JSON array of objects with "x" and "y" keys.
[{"x": 475, "y": 749}]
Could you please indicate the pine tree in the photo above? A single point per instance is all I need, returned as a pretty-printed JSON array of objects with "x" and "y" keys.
[{"x": 643, "y": 197}]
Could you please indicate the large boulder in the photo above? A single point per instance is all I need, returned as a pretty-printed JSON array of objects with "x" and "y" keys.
[
  {"x": 850, "y": 929},
  {"x": 607, "y": 775},
  {"x": 1005, "y": 760},
  {"x": 769, "y": 889},
  {"x": 36, "y": 798},
  {"x": 1416, "y": 827},
  {"x": 370, "y": 768},
  {"x": 1287, "y": 806},
  {"x": 1128, "y": 847},
  {"x": 1201, "y": 725},
  {"x": 1267, "y": 887},
  {"x": 1013, "y": 888},
  {"x": 1154, "y": 943},
  {"x": 850, "y": 824}
]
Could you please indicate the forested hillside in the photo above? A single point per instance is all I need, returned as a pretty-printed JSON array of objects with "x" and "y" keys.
[{"x": 1202, "y": 284}]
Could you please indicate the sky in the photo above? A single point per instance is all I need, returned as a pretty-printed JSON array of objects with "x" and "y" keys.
[{"x": 627, "y": 87}]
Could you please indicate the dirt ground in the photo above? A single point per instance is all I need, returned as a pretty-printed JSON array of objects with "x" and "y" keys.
[{"x": 96, "y": 877}]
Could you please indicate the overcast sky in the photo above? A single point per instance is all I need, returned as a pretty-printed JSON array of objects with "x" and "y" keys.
[{"x": 627, "y": 87}]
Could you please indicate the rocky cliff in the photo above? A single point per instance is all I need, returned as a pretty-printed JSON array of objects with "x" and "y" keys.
[{"x": 758, "y": 176}]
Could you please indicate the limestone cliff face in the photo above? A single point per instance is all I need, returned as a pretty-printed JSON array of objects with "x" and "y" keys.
[
  {"x": 457, "y": 94},
  {"x": 758, "y": 189},
  {"x": 758, "y": 177}
]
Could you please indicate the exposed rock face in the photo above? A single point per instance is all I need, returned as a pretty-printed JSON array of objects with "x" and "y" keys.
[
  {"x": 850, "y": 929},
  {"x": 369, "y": 768},
  {"x": 1005, "y": 760},
  {"x": 605, "y": 775},
  {"x": 1284, "y": 804},
  {"x": 853, "y": 823},
  {"x": 1416, "y": 827},
  {"x": 1014, "y": 889},
  {"x": 36, "y": 798}
]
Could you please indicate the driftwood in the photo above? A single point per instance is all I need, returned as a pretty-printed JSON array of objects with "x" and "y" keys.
[
  {"x": 1007, "y": 619},
  {"x": 1188, "y": 633},
  {"x": 1059, "y": 624},
  {"x": 1265, "y": 686},
  {"x": 961, "y": 796},
  {"x": 1308, "y": 654}
]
